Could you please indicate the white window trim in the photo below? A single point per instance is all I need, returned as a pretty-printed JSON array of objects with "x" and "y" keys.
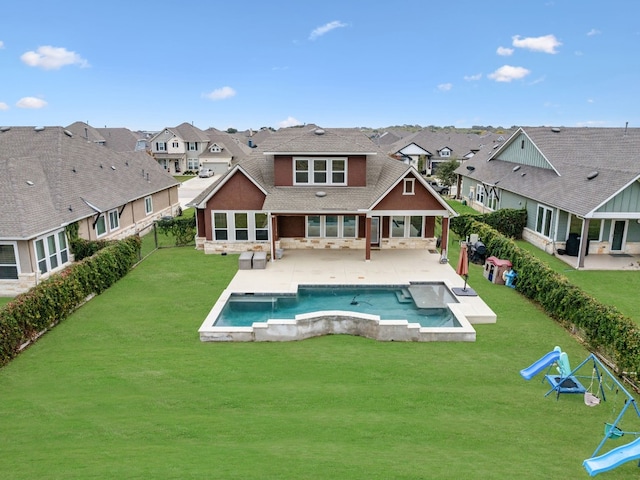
[
  {"x": 231, "y": 225},
  {"x": 546, "y": 211},
  {"x": 148, "y": 205},
  {"x": 106, "y": 225},
  {"x": 114, "y": 214},
  {"x": 47, "y": 253},
  {"x": 323, "y": 226},
  {"x": 329, "y": 171},
  {"x": 409, "y": 186},
  {"x": 406, "y": 227},
  {"x": 480, "y": 193},
  {"x": 15, "y": 256}
]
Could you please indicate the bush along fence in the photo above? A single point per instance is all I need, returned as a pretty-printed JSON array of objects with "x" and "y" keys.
[
  {"x": 602, "y": 327},
  {"x": 29, "y": 315}
]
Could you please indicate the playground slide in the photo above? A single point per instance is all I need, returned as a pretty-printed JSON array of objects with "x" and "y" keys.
[
  {"x": 613, "y": 459},
  {"x": 546, "y": 361}
]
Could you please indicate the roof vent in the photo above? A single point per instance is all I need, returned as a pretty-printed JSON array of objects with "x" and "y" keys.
[
  {"x": 471, "y": 168},
  {"x": 555, "y": 129},
  {"x": 592, "y": 175},
  {"x": 112, "y": 167},
  {"x": 321, "y": 194},
  {"x": 516, "y": 168},
  {"x": 319, "y": 131},
  {"x": 39, "y": 129},
  {"x": 30, "y": 183},
  {"x": 5, "y": 129},
  {"x": 68, "y": 133}
]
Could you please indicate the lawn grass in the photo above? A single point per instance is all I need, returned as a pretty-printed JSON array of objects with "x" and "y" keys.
[{"x": 125, "y": 389}]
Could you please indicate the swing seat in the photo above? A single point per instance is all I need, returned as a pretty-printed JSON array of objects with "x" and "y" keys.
[
  {"x": 612, "y": 431},
  {"x": 590, "y": 400}
]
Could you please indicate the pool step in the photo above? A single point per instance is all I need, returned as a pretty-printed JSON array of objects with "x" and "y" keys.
[{"x": 404, "y": 296}]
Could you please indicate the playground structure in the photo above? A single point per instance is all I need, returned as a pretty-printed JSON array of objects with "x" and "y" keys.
[{"x": 602, "y": 383}]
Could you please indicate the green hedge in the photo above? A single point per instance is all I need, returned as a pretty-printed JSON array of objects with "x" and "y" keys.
[
  {"x": 602, "y": 327},
  {"x": 23, "y": 319}
]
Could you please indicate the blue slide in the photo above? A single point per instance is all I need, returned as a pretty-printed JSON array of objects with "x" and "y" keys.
[
  {"x": 545, "y": 362},
  {"x": 613, "y": 459}
]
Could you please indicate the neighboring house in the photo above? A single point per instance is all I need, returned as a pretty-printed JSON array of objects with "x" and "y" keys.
[
  {"x": 51, "y": 179},
  {"x": 118, "y": 139},
  {"x": 311, "y": 188},
  {"x": 223, "y": 151},
  {"x": 580, "y": 187},
  {"x": 426, "y": 149},
  {"x": 178, "y": 149}
]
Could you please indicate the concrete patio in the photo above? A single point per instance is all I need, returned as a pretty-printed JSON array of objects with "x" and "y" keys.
[
  {"x": 348, "y": 267},
  {"x": 604, "y": 262}
]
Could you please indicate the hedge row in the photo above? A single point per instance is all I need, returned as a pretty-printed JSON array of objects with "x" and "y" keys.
[
  {"x": 26, "y": 317},
  {"x": 602, "y": 327}
]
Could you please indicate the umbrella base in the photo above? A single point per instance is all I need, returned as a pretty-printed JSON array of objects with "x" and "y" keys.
[{"x": 464, "y": 292}]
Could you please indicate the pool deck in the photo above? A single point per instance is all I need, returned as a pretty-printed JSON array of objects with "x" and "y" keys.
[{"x": 348, "y": 267}]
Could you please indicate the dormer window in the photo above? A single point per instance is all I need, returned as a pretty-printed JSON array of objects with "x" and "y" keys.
[
  {"x": 320, "y": 171},
  {"x": 215, "y": 148},
  {"x": 445, "y": 152}
]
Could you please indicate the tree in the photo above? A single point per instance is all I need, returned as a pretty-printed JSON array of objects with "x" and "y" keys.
[{"x": 446, "y": 171}]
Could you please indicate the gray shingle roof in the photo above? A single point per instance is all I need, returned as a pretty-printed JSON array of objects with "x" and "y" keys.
[
  {"x": 50, "y": 178},
  {"x": 574, "y": 153},
  {"x": 382, "y": 171}
]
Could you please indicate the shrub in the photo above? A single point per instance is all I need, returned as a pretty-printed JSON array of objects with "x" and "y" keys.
[{"x": 26, "y": 317}]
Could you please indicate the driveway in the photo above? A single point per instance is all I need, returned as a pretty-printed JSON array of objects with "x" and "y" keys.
[{"x": 191, "y": 188}]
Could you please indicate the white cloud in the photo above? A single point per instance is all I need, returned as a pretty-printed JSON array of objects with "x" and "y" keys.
[
  {"x": 445, "y": 87},
  {"x": 220, "y": 93},
  {"x": 52, "y": 58},
  {"x": 504, "y": 51},
  {"x": 590, "y": 100},
  {"x": 4, "y": 106},
  {"x": 326, "y": 28},
  {"x": 473, "y": 78},
  {"x": 506, "y": 73},
  {"x": 31, "y": 102},
  {"x": 593, "y": 32},
  {"x": 1, "y": 44},
  {"x": 545, "y": 44},
  {"x": 289, "y": 122}
]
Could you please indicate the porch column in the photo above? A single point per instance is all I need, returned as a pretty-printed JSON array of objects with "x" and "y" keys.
[
  {"x": 584, "y": 240},
  {"x": 274, "y": 236},
  {"x": 445, "y": 236},
  {"x": 367, "y": 239}
]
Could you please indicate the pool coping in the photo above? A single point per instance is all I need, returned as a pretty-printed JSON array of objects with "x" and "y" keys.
[{"x": 347, "y": 268}]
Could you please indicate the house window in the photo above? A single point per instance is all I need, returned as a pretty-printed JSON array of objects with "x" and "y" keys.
[
  {"x": 161, "y": 146},
  {"x": 175, "y": 144},
  {"x": 52, "y": 251},
  {"x": 492, "y": 199},
  {"x": 405, "y": 227},
  {"x": 148, "y": 205},
  {"x": 193, "y": 164},
  {"x": 349, "y": 226},
  {"x": 8, "y": 263},
  {"x": 445, "y": 153},
  {"x": 262, "y": 226},
  {"x": 220, "y": 226},
  {"x": 320, "y": 171},
  {"x": 480, "y": 193},
  {"x": 114, "y": 220},
  {"x": 332, "y": 226},
  {"x": 193, "y": 146},
  {"x": 543, "y": 221},
  {"x": 241, "y": 226},
  {"x": 101, "y": 226},
  {"x": 409, "y": 186}
]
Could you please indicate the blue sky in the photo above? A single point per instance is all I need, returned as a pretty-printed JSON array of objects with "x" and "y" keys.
[{"x": 344, "y": 63}]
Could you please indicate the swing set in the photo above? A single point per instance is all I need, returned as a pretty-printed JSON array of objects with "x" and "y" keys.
[{"x": 604, "y": 386}]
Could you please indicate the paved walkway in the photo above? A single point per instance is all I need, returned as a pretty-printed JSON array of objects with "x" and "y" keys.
[{"x": 191, "y": 188}]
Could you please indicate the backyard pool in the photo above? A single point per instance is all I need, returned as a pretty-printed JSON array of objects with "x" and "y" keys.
[{"x": 425, "y": 304}]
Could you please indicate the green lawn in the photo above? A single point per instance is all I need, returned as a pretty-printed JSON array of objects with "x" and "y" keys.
[{"x": 125, "y": 389}]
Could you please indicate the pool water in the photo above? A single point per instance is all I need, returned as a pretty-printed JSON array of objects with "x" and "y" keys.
[{"x": 425, "y": 304}]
